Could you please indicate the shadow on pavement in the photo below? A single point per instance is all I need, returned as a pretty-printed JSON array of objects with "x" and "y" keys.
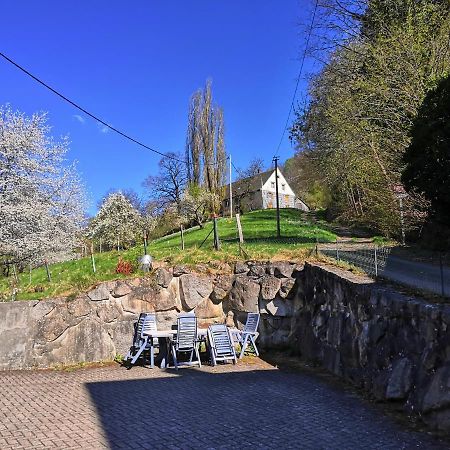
[{"x": 227, "y": 407}]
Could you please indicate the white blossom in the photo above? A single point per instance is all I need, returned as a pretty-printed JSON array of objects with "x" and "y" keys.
[
  {"x": 41, "y": 198},
  {"x": 117, "y": 222}
]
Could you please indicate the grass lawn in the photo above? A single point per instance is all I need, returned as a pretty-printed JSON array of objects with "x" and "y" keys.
[{"x": 298, "y": 233}]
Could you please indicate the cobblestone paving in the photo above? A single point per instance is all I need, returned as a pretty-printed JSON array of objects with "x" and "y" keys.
[{"x": 246, "y": 406}]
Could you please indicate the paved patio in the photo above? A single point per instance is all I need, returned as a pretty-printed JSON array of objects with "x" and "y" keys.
[{"x": 246, "y": 406}]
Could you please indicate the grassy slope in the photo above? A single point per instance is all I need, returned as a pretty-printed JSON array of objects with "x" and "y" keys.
[{"x": 259, "y": 227}]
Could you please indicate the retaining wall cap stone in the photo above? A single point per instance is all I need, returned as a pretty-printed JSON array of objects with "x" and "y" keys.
[
  {"x": 240, "y": 267},
  {"x": 99, "y": 293},
  {"x": 120, "y": 289}
]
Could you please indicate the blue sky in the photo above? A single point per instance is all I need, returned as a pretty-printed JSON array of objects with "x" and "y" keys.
[{"x": 136, "y": 64}]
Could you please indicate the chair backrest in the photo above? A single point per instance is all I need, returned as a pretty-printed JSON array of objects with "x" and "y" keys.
[
  {"x": 149, "y": 324},
  {"x": 138, "y": 329},
  {"x": 186, "y": 332},
  {"x": 220, "y": 339},
  {"x": 251, "y": 325}
]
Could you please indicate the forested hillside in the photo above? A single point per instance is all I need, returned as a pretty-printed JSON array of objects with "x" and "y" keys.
[{"x": 380, "y": 59}]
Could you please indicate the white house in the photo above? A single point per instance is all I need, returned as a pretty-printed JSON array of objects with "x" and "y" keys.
[{"x": 259, "y": 192}]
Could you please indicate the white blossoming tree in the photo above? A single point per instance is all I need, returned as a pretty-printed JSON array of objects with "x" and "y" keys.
[
  {"x": 41, "y": 198},
  {"x": 195, "y": 205},
  {"x": 117, "y": 223}
]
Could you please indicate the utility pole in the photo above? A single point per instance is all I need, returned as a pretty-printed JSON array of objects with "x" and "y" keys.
[
  {"x": 231, "y": 193},
  {"x": 275, "y": 160}
]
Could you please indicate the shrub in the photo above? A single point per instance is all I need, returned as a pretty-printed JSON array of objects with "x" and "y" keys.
[{"x": 124, "y": 267}]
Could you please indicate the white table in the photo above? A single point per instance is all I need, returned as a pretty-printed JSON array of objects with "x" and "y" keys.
[{"x": 164, "y": 336}]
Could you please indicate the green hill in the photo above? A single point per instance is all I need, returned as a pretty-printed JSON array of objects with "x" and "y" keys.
[{"x": 298, "y": 231}]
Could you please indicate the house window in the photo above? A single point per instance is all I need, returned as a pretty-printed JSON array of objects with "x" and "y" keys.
[
  {"x": 272, "y": 184},
  {"x": 283, "y": 186}
]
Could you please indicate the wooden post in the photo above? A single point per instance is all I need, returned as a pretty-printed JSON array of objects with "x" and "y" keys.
[
  {"x": 15, "y": 273},
  {"x": 376, "y": 261},
  {"x": 145, "y": 243},
  {"x": 49, "y": 278},
  {"x": 239, "y": 227},
  {"x": 182, "y": 236},
  {"x": 231, "y": 193},
  {"x": 92, "y": 258},
  {"x": 275, "y": 159},
  {"x": 216, "y": 235}
]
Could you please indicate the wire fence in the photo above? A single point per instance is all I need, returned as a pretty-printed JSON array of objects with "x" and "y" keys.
[
  {"x": 372, "y": 260},
  {"x": 380, "y": 262}
]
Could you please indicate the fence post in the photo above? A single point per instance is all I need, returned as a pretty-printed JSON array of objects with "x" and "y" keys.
[
  {"x": 49, "y": 278},
  {"x": 216, "y": 235},
  {"x": 441, "y": 265},
  {"x": 145, "y": 243},
  {"x": 92, "y": 258},
  {"x": 15, "y": 273},
  {"x": 239, "y": 227},
  {"x": 182, "y": 236},
  {"x": 376, "y": 261}
]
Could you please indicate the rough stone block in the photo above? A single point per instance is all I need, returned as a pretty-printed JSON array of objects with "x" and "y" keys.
[
  {"x": 400, "y": 380},
  {"x": 286, "y": 289},
  {"x": 277, "y": 307},
  {"x": 180, "y": 270},
  {"x": 163, "y": 277},
  {"x": 101, "y": 292},
  {"x": 283, "y": 269},
  {"x": 240, "y": 267},
  {"x": 209, "y": 310},
  {"x": 194, "y": 289},
  {"x": 120, "y": 289},
  {"x": 222, "y": 286},
  {"x": 269, "y": 287},
  {"x": 243, "y": 295}
]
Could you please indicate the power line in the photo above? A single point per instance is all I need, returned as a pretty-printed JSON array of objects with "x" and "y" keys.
[
  {"x": 93, "y": 116},
  {"x": 235, "y": 168},
  {"x": 299, "y": 76}
]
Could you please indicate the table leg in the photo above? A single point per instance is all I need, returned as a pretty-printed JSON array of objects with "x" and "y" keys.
[{"x": 163, "y": 356}]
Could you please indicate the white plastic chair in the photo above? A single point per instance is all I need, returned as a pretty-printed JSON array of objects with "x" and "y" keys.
[
  {"x": 146, "y": 342},
  {"x": 137, "y": 339},
  {"x": 221, "y": 344},
  {"x": 186, "y": 340},
  {"x": 249, "y": 334}
]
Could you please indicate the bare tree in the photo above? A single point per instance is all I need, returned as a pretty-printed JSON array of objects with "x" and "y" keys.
[
  {"x": 256, "y": 166},
  {"x": 168, "y": 186}
]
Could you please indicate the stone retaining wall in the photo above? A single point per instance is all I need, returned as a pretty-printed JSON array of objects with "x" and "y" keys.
[
  {"x": 396, "y": 347},
  {"x": 98, "y": 325}
]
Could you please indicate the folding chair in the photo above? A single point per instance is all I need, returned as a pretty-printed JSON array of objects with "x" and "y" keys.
[
  {"x": 137, "y": 341},
  {"x": 221, "y": 344},
  {"x": 186, "y": 340},
  {"x": 249, "y": 334},
  {"x": 145, "y": 342}
]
